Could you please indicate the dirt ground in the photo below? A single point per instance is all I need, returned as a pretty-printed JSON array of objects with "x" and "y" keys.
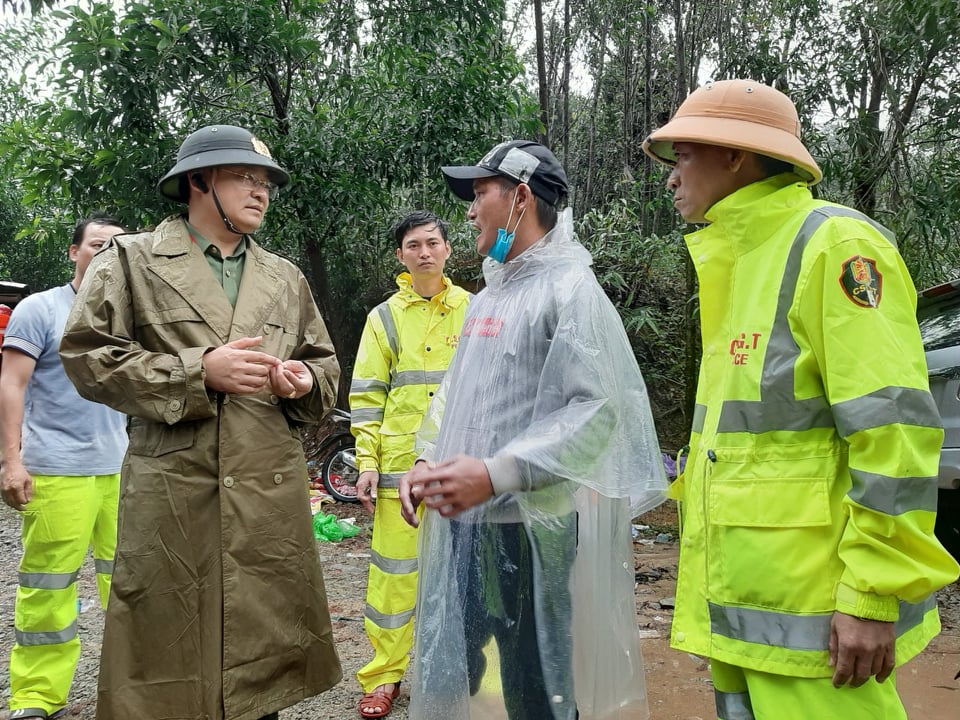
[{"x": 678, "y": 684}]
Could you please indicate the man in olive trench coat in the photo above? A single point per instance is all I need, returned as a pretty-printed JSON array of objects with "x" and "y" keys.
[{"x": 216, "y": 351}]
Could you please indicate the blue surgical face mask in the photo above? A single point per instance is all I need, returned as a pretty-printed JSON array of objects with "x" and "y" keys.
[{"x": 501, "y": 247}]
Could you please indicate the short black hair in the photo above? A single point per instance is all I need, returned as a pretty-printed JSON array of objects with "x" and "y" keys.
[
  {"x": 418, "y": 218},
  {"x": 546, "y": 213},
  {"x": 771, "y": 166},
  {"x": 96, "y": 219}
]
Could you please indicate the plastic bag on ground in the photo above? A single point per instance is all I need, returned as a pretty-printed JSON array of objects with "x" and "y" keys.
[{"x": 328, "y": 528}]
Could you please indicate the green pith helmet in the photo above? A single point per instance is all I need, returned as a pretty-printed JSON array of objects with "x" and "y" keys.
[{"x": 218, "y": 145}]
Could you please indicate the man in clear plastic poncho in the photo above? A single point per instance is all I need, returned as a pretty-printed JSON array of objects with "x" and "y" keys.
[{"x": 538, "y": 451}]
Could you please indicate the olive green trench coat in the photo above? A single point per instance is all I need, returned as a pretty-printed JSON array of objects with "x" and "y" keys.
[{"x": 218, "y": 608}]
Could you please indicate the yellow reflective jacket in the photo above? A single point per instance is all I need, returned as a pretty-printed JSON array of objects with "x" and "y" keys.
[
  {"x": 406, "y": 346},
  {"x": 811, "y": 482}
]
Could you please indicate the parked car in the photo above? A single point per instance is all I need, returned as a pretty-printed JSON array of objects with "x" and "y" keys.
[{"x": 938, "y": 311}]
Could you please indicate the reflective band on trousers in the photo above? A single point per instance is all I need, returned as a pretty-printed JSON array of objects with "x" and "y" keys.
[
  {"x": 391, "y": 565},
  {"x": 388, "y": 622},
  {"x": 796, "y": 632},
  {"x": 47, "y": 638},
  {"x": 733, "y": 705},
  {"x": 48, "y": 581}
]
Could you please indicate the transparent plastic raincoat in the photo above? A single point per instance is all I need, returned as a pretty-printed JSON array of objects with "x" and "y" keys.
[{"x": 525, "y": 603}]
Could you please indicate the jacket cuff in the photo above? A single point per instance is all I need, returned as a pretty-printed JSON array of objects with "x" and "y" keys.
[
  {"x": 193, "y": 399},
  {"x": 504, "y": 474},
  {"x": 367, "y": 464},
  {"x": 885, "y": 608}
]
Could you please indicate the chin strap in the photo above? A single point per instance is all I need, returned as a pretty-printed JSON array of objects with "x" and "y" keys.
[{"x": 223, "y": 216}]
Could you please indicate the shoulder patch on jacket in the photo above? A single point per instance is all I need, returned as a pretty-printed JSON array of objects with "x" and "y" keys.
[{"x": 861, "y": 281}]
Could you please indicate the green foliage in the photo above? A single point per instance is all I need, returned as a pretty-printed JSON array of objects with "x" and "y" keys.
[
  {"x": 362, "y": 110},
  {"x": 643, "y": 276},
  {"x": 363, "y": 102}
]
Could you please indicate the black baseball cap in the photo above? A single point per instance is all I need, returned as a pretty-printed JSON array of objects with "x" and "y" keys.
[{"x": 522, "y": 161}]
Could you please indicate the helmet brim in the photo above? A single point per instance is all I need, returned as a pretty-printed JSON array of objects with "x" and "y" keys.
[
  {"x": 733, "y": 133},
  {"x": 169, "y": 186}
]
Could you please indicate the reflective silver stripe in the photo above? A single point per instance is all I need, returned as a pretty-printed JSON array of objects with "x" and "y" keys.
[
  {"x": 796, "y": 632},
  {"x": 733, "y": 705},
  {"x": 47, "y": 638},
  {"x": 104, "y": 567},
  {"x": 418, "y": 377},
  {"x": 387, "y": 622},
  {"x": 48, "y": 581},
  {"x": 391, "y": 565},
  {"x": 759, "y": 417},
  {"x": 911, "y": 614},
  {"x": 699, "y": 415},
  {"x": 389, "y": 328},
  {"x": 362, "y": 415},
  {"x": 389, "y": 480},
  {"x": 777, "y": 408},
  {"x": 886, "y": 406},
  {"x": 767, "y": 627},
  {"x": 893, "y": 495},
  {"x": 362, "y": 385},
  {"x": 776, "y": 381}
]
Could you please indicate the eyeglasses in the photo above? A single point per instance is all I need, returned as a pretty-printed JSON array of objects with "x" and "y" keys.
[{"x": 252, "y": 182}]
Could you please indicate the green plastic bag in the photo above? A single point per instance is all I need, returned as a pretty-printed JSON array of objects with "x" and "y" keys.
[{"x": 326, "y": 527}]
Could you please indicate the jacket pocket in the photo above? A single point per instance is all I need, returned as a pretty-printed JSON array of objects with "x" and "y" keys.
[
  {"x": 279, "y": 339},
  {"x": 151, "y": 439},
  {"x": 772, "y": 535},
  {"x": 397, "y": 441},
  {"x": 782, "y": 486}
]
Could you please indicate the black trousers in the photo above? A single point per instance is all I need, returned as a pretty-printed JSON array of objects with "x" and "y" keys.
[{"x": 503, "y": 578}]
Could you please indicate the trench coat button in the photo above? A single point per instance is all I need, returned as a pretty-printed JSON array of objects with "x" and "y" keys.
[
  {"x": 228, "y": 481},
  {"x": 174, "y": 404},
  {"x": 277, "y": 479},
  {"x": 274, "y": 400}
]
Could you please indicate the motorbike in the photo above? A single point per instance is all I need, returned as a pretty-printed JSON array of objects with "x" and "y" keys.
[{"x": 331, "y": 457}]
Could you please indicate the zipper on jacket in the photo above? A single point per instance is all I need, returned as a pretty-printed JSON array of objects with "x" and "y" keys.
[{"x": 705, "y": 499}]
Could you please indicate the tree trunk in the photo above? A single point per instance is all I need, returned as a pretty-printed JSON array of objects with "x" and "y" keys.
[
  {"x": 566, "y": 84},
  {"x": 317, "y": 277},
  {"x": 542, "y": 73},
  {"x": 691, "y": 329}
]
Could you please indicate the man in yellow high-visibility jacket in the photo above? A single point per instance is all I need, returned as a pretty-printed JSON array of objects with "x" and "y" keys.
[
  {"x": 406, "y": 345},
  {"x": 808, "y": 564}
]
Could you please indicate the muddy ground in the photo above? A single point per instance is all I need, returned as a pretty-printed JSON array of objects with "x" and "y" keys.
[{"x": 678, "y": 684}]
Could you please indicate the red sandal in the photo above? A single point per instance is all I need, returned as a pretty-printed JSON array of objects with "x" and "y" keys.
[{"x": 378, "y": 703}]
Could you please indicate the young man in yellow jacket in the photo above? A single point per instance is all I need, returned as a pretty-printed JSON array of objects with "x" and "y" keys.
[
  {"x": 808, "y": 564},
  {"x": 405, "y": 348}
]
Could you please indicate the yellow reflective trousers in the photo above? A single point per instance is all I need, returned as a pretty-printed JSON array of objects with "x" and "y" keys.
[
  {"x": 65, "y": 517},
  {"x": 744, "y": 694},
  {"x": 391, "y": 594}
]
